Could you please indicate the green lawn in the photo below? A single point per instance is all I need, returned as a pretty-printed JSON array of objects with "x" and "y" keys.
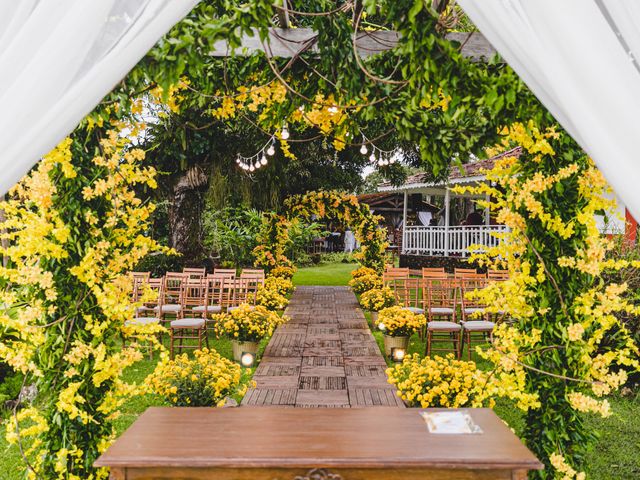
[{"x": 326, "y": 274}]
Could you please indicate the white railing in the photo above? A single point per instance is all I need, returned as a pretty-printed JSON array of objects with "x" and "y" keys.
[{"x": 447, "y": 241}]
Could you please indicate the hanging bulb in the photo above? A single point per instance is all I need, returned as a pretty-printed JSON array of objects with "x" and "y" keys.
[
  {"x": 271, "y": 150},
  {"x": 372, "y": 157},
  {"x": 263, "y": 160},
  {"x": 332, "y": 109},
  {"x": 252, "y": 168},
  {"x": 257, "y": 165},
  {"x": 285, "y": 132},
  {"x": 363, "y": 149}
]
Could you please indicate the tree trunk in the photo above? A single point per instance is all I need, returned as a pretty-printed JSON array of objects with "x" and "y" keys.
[{"x": 185, "y": 215}]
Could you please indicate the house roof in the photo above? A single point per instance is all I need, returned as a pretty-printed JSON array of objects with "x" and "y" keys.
[
  {"x": 390, "y": 202},
  {"x": 472, "y": 171}
]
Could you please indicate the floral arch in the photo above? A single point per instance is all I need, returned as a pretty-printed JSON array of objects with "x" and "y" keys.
[{"x": 339, "y": 206}]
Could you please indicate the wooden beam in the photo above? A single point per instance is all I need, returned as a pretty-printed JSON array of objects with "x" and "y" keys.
[
  {"x": 283, "y": 15},
  {"x": 289, "y": 42}
]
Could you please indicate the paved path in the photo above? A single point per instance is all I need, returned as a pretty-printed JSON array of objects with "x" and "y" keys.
[{"x": 325, "y": 356}]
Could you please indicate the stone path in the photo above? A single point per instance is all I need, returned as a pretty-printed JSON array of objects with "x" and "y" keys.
[{"x": 325, "y": 356}]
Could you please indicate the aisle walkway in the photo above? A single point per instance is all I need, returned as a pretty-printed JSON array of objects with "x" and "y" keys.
[{"x": 325, "y": 356}]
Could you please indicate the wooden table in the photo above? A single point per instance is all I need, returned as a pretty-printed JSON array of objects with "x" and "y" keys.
[{"x": 288, "y": 444}]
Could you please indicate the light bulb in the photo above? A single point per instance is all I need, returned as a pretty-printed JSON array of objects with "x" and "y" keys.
[
  {"x": 285, "y": 132},
  {"x": 271, "y": 150},
  {"x": 252, "y": 168},
  {"x": 333, "y": 109},
  {"x": 263, "y": 160},
  {"x": 363, "y": 149},
  {"x": 372, "y": 157}
]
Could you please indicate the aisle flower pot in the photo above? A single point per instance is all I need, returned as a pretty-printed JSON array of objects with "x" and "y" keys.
[
  {"x": 240, "y": 347},
  {"x": 374, "y": 317},
  {"x": 395, "y": 342}
]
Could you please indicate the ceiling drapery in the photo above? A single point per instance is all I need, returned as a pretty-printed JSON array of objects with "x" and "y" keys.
[
  {"x": 58, "y": 59},
  {"x": 581, "y": 58}
]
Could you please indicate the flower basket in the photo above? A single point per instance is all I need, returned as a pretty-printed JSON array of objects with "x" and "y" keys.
[
  {"x": 395, "y": 342},
  {"x": 240, "y": 347},
  {"x": 400, "y": 322}
]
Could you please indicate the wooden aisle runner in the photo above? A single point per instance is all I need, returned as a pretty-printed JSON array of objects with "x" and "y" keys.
[{"x": 325, "y": 356}]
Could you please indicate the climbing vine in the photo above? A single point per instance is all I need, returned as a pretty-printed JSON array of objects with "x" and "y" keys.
[{"x": 562, "y": 309}]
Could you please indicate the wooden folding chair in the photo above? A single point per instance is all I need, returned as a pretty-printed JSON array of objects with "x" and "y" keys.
[
  {"x": 244, "y": 292},
  {"x": 191, "y": 325},
  {"x": 434, "y": 272},
  {"x": 408, "y": 293},
  {"x": 224, "y": 272},
  {"x": 394, "y": 273},
  {"x": 213, "y": 297},
  {"x": 441, "y": 308},
  {"x": 465, "y": 272},
  {"x": 195, "y": 272},
  {"x": 253, "y": 273},
  {"x": 476, "y": 326},
  {"x": 147, "y": 313},
  {"x": 497, "y": 275},
  {"x": 172, "y": 296}
]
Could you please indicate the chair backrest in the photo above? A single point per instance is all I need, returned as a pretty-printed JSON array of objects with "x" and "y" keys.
[
  {"x": 155, "y": 285},
  {"x": 173, "y": 288},
  {"x": 195, "y": 295},
  {"x": 195, "y": 272},
  {"x": 229, "y": 292},
  {"x": 225, "y": 272},
  {"x": 408, "y": 292},
  {"x": 138, "y": 280},
  {"x": 464, "y": 272},
  {"x": 470, "y": 284},
  {"x": 394, "y": 273},
  {"x": 433, "y": 272},
  {"x": 255, "y": 274},
  {"x": 498, "y": 275},
  {"x": 440, "y": 293},
  {"x": 213, "y": 290}
]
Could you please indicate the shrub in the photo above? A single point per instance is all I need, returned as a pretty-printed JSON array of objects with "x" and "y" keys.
[
  {"x": 400, "y": 322},
  {"x": 364, "y": 283},
  {"x": 271, "y": 299},
  {"x": 282, "y": 285},
  {"x": 283, "y": 272},
  {"x": 376, "y": 299},
  {"x": 247, "y": 323},
  {"x": 202, "y": 381},
  {"x": 363, "y": 271},
  {"x": 437, "y": 382}
]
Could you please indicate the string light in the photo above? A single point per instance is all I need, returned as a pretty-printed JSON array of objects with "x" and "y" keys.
[
  {"x": 379, "y": 157},
  {"x": 285, "y": 132},
  {"x": 253, "y": 163}
]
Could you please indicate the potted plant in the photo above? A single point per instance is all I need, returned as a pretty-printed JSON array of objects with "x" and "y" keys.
[
  {"x": 245, "y": 326},
  {"x": 271, "y": 298},
  {"x": 364, "y": 283},
  {"x": 398, "y": 324},
  {"x": 377, "y": 299}
]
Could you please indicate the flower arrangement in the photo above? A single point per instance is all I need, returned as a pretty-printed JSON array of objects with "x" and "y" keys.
[
  {"x": 364, "y": 283},
  {"x": 399, "y": 322},
  {"x": 363, "y": 271},
  {"x": 202, "y": 381},
  {"x": 271, "y": 299},
  {"x": 283, "y": 271},
  {"x": 377, "y": 299},
  {"x": 282, "y": 285},
  {"x": 437, "y": 382},
  {"x": 246, "y": 323}
]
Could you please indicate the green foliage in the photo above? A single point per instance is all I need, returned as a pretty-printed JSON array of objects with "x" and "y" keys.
[{"x": 232, "y": 234}]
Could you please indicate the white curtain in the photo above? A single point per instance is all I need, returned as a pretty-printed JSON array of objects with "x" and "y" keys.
[
  {"x": 59, "y": 58},
  {"x": 581, "y": 59},
  {"x": 425, "y": 218}
]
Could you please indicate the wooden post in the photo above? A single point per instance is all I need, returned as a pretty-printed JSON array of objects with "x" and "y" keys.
[
  {"x": 487, "y": 211},
  {"x": 404, "y": 221},
  {"x": 447, "y": 201}
]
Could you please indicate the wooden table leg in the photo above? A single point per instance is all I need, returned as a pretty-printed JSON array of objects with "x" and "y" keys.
[{"x": 117, "y": 474}]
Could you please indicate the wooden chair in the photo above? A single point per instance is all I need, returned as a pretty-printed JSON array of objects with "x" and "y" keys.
[
  {"x": 252, "y": 273},
  {"x": 191, "y": 325},
  {"x": 433, "y": 272},
  {"x": 212, "y": 297},
  {"x": 441, "y": 308},
  {"x": 497, "y": 275},
  {"x": 394, "y": 273},
  {"x": 224, "y": 272},
  {"x": 244, "y": 292},
  {"x": 476, "y": 326},
  {"x": 465, "y": 272},
  {"x": 172, "y": 296},
  {"x": 408, "y": 293},
  {"x": 146, "y": 314},
  {"x": 195, "y": 272}
]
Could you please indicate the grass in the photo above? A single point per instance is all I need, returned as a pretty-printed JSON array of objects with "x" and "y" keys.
[
  {"x": 330, "y": 274},
  {"x": 613, "y": 457}
]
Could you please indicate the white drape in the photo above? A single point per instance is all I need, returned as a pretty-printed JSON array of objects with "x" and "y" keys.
[
  {"x": 425, "y": 218},
  {"x": 59, "y": 58},
  {"x": 581, "y": 59}
]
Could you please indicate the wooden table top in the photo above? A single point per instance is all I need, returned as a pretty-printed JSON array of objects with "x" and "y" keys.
[{"x": 375, "y": 437}]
